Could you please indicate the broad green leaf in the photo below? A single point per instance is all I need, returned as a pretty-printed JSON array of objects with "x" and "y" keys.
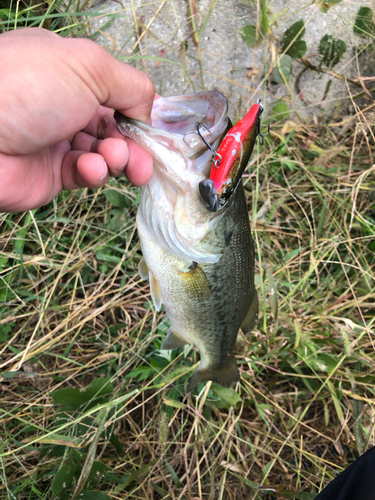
[
  {"x": 291, "y": 42},
  {"x": 97, "y": 388},
  {"x": 326, "y": 5},
  {"x": 142, "y": 373},
  {"x": 115, "y": 198},
  {"x": 3, "y": 263},
  {"x": 99, "y": 471},
  {"x": 7, "y": 14},
  {"x": 323, "y": 362},
  {"x": 227, "y": 396},
  {"x": 304, "y": 495},
  {"x": 69, "y": 398},
  {"x": 282, "y": 70},
  {"x": 116, "y": 218},
  {"x": 295, "y": 495},
  {"x": 63, "y": 479},
  {"x": 5, "y": 330},
  {"x": 364, "y": 25},
  {"x": 93, "y": 495},
  {"x": 106, "y": 256},
  {"x": 116, "y": 443},
  {"x": 280, "y": 111},
  {"x": 331, "y": 49},
  {"x": 297, "y": 50},
  {"x": 248, "y": 34}
]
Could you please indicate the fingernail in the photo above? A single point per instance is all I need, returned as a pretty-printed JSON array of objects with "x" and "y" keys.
[
  {"x": 105, "y": 176},
  {"x": 122, "y": 168}
]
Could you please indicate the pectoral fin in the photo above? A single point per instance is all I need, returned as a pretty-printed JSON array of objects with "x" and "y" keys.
[
  {"x": 227, "y": 375},
  {"x": 155, "y": 292},
  {"x": 196, "y": 282},
  {"x": 143, "y": 269},
  {"x": 173, "y": 340},
  {"x": 251, "y": 317}
]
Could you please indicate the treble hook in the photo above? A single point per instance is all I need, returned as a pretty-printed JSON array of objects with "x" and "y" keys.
[
  {"x": 215, "y": 155},
  {"x": 261, "y": 136}
]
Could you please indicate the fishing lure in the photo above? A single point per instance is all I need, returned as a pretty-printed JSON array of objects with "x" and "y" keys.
[{"x": 230, "y": 161}]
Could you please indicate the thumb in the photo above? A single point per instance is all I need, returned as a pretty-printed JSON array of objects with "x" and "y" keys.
[{"x": 120, "y": 86}]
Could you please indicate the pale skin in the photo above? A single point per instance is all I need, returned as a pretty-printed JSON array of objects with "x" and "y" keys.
[{"x": 56, "y": 117}]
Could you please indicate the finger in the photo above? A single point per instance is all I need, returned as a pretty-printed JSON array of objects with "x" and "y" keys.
[
  {"x": 103, "y": 124},
  {"x": 131, "y": 92},
  {"x": 114, "y": 151},
  {"x": 30, "y": 32},
  {"x": 84, "y": 142},
  {"x": 81, "y": 169},
  {"x": 139, "y": 167},
  {"x": 114, "y": 83},
  {"x": 26, "y": 182}
]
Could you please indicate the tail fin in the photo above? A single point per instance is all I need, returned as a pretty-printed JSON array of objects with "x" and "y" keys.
[{"x": 226, "y": 375}]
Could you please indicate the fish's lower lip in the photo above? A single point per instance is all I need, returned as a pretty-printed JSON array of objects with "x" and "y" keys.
[{"x": 209, "y": 195}]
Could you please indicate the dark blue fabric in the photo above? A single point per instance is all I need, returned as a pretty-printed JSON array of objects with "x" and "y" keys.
[{"x": 357, "y": 482}]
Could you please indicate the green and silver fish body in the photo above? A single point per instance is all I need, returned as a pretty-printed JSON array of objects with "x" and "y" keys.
[{"x": 200, "y": 264}]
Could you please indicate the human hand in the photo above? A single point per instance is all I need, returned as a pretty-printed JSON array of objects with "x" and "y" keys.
[{"x": 57, "y": 129}]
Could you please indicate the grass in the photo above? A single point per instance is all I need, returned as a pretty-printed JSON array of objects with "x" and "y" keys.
[{"x": 91, "y": 408}]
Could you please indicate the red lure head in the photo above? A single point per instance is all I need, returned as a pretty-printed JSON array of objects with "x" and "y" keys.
[{"x": 231, "y": 159}]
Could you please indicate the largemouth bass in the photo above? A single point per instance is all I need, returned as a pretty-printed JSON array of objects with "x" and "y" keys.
[{"x": 200, "y": 263}]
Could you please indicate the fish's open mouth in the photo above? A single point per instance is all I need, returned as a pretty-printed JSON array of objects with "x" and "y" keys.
[{"x": 178, "y": 114}]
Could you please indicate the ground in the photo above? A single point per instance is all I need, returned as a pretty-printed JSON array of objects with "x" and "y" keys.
[{"x": 91, "y": 407}]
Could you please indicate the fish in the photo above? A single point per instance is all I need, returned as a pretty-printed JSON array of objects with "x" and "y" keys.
[{"x": 200, "y": 263}]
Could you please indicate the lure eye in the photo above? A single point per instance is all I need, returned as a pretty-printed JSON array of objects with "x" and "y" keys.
[{"x": 209, "y": 195}]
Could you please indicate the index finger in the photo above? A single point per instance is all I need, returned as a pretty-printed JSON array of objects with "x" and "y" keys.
[{"x": 103, "y": 125}]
